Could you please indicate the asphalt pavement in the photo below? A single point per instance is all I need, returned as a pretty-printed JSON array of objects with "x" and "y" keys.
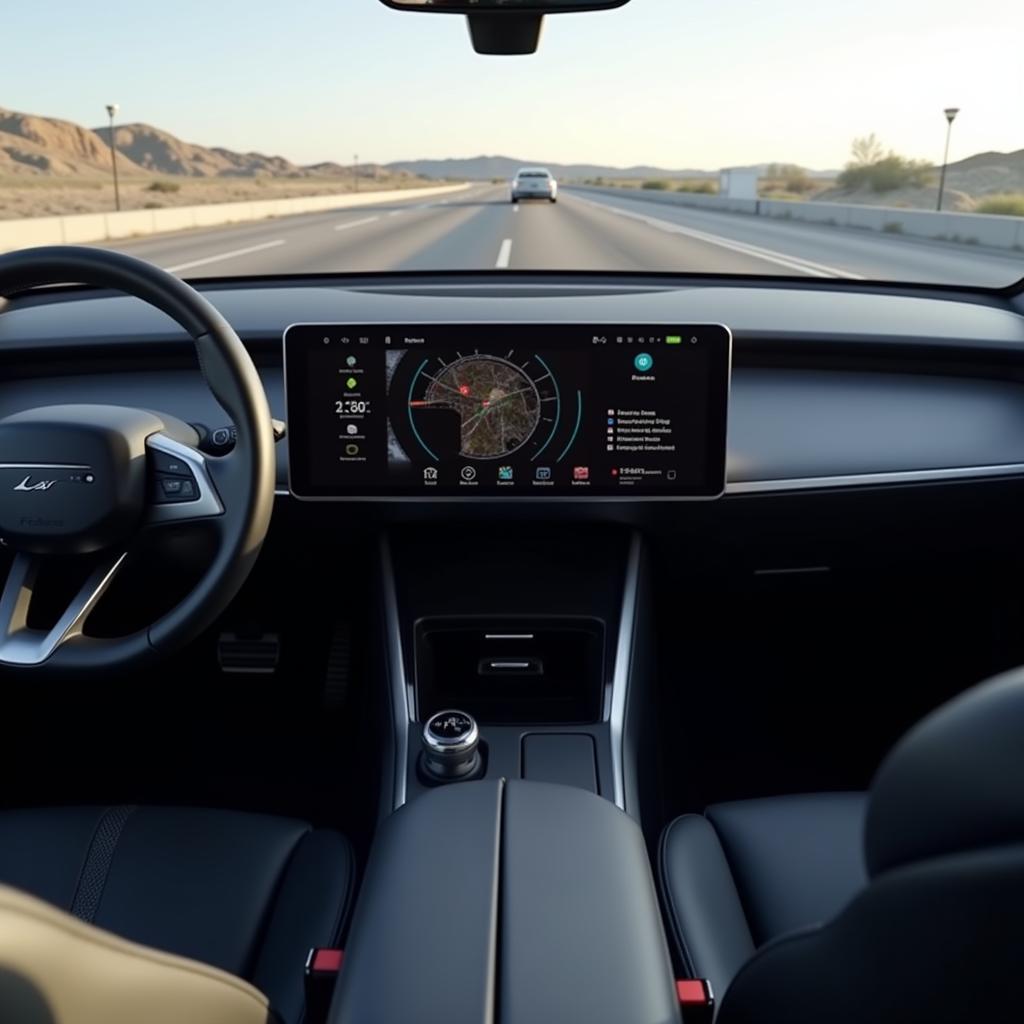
[{"x": 480, "y": 229}]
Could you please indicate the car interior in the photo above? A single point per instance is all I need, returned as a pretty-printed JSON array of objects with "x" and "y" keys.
[{"x": 337, "y": 691}]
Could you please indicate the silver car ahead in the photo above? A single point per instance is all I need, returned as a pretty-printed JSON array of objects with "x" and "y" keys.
[{"x": 534, "y": 183}]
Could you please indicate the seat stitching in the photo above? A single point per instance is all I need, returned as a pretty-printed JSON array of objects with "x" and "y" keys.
[
  {"x": 95, "y": 871},
  {"x": 85, "y": 856}
]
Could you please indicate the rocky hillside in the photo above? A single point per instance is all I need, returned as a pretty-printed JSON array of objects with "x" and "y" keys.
[
  {"x": 163, "y": 153},
  {"x": 31, "y": 145},
  {"x": 988, "y": 173},
  {"x": 45, "y": 146}
]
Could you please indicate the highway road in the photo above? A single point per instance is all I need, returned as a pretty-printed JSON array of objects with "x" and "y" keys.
[{"x": 480, "y": 229}]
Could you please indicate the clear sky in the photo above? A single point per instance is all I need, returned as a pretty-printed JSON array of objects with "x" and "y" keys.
[{"x": 679, "y": 83}]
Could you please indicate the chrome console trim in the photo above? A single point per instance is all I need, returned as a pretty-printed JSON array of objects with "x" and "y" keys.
[
  {"x": 623, "y": 667},
  {"x": 402, "y": 695}
]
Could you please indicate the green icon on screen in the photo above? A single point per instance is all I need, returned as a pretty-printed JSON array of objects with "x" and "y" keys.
[
  {"x": 351, "y": 383},
  {"x": 673, "y": 339}
]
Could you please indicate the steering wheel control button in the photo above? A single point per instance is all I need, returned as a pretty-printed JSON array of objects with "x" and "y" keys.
[
  {"x": 451, "y": 741},
  {"x": 178, "y": 483},
  {"x": 174, "y": 484},
  {"x": 173, "y": 489},
  {"x": 169, "y": 464}
]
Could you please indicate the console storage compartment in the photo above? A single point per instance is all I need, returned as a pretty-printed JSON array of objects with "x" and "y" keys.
[{"x": 511, "y": 670}]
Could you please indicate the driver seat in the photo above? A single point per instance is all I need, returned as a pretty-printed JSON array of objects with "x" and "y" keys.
[{"x": 249, "y": 894}]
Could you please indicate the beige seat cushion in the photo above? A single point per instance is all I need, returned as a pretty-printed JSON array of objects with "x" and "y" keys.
[{"x": 88, "y": 976}]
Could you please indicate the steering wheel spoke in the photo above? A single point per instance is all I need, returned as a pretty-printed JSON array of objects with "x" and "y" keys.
[
  {"x": 181, "y": 485},
  {"x": 22, "y": 646}
]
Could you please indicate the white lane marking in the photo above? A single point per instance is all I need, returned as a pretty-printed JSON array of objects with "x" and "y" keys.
[
  {"x": 345, "y": 225},
  {"x": 504, "y": 254},
  {"x": 224, "y": 256},
  {"x": 515, "y": 208},
  {"x": 770, "y": 255}
]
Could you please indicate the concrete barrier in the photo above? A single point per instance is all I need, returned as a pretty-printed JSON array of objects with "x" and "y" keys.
[
  {"x": 102, "y": 227},
  {"x": 996, "y": 232}
]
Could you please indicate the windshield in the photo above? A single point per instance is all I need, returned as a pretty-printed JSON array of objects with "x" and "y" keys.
[{"x": 881, "y": 140}]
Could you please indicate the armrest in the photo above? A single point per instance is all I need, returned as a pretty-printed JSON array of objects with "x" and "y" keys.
[
  {"x": 522, "y": 902},
  {"x": 581, "y": 931},
  {"x": 423, "y": 938}
]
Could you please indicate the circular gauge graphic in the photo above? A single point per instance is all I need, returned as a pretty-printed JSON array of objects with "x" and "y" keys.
[
  {"x": 478, "y": 406},
  {"x": 497, "y": 402}
]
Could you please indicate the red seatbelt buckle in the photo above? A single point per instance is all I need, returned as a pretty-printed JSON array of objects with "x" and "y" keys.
[
  {"x": 696, "y": 1000},
  {"x": 322, "y": 969}
]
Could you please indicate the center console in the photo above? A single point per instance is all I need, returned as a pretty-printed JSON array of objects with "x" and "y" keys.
[
  {"x": 535, "y": 642},
  {"x": 513, "y": 901}
]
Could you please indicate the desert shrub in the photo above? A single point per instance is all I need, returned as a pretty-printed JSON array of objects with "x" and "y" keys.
[
  {"x": 796, "y": 179},
  {"x": 655, "y": 185},
  {"x": 707, "y": 188},
  {"x": 887, "y": 175},
  {"x": 1009, "y": 205},
  {"x": 163, "y": 186}
]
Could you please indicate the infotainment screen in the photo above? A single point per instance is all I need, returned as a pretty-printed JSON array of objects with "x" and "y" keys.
[{"x": 508, "y": 410}]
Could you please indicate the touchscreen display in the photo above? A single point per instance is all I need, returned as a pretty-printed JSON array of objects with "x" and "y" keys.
[{"x": 507, "y": 410}]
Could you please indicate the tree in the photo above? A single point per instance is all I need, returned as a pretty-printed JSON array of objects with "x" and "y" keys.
[
  {"x": 871, "y": 167},
  {"x": 866, "y": 151}
]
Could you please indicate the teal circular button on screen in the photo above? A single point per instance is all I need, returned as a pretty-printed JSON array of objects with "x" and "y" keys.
[{"x": 643, "y": 362}]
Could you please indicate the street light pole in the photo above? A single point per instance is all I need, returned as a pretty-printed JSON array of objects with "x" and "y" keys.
[
  {"x": 950, "y": 113},
  {"x": 355, "y": 171},
  {"x": 112, "y": 109}
]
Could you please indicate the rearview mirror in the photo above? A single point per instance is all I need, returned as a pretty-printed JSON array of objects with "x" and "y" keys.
[
  {"x": 504, "y": 6},
  {"x": 504, "y": 26}
]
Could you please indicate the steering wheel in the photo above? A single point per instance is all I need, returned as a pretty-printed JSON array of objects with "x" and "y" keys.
[{"x": 88, "y": 480}]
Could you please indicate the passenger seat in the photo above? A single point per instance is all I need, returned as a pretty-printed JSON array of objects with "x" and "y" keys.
[{"x": 903, "y": 904}]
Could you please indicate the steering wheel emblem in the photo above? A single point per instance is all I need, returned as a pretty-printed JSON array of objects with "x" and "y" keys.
[{"x": 42, "y": 485}]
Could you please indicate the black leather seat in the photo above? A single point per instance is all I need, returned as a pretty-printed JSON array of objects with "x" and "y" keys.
[
  {"x": 248, "y": 893},
  {"x": 897, "y": 905},
  {"x": 747, "y": 872}
]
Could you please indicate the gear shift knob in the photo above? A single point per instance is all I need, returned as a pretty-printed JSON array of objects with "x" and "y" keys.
[{"x": 450, "y": 742}]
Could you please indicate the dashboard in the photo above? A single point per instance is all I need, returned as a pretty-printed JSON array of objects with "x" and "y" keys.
[
  {"x": 833, "y": 387},
  {"x": 507, "y": 410}
]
